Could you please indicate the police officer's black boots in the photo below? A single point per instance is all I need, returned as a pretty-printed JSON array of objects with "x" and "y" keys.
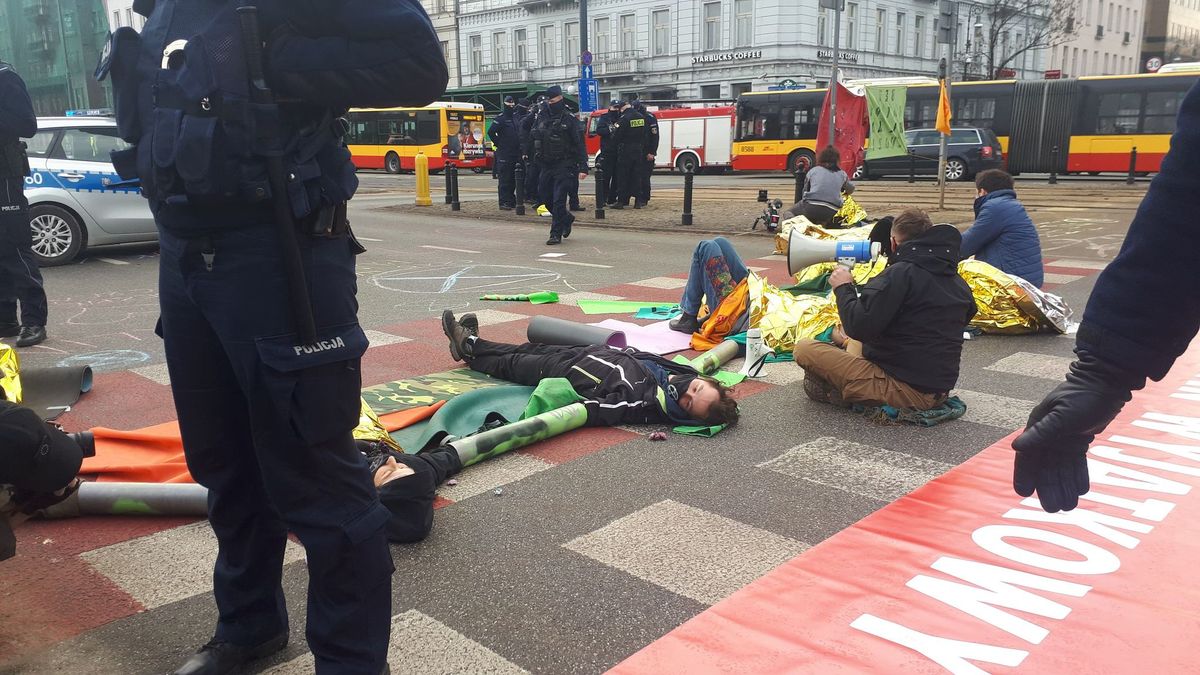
[
  {"x": 218, "y": 658},
  {"x": 553, "y": 240},
  {"x": 31, "y": 335}
]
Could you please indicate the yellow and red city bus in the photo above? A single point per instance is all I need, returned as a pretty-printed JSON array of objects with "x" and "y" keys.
[
  {"x": 446, "y": 131},
  {"x": 1084, "y": 125}
]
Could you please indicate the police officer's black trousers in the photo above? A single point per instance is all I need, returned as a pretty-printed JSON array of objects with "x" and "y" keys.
[
  {"x": 573, "y": 191},
  {"x": 629, "y": 174},
  {"x": 609, "y": 163},
  {"x": 556, "y": 182},
  {"x": 20, "y": 278},
  {"x": 266, "y": 426},
  {"x": 533, "y": 178},
  {"x": 505, "y": 170},
  {"x": 646, "y": 173}
]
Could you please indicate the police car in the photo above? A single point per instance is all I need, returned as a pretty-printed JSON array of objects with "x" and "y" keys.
[{"x": 76, "y": 198}]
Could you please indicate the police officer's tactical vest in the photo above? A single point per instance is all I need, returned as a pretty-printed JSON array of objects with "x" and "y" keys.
[
  {"x": 182, "y": 97},
  {"x": 554, "y": 133},
  {"x": 14, "y": 163}
]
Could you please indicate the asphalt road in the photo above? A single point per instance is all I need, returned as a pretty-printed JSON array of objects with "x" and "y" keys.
[{"x": 599, "y": 543}]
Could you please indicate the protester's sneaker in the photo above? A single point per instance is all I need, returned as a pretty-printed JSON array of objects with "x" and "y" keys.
[
  {"x": 686, "y": 323},
  {"x": 821, "y": 391},
  {"x": 460, "y": 348},
  {"x": 543, "y": 211}
]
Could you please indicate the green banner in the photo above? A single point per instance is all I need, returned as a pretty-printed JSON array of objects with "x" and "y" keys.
[{"x": 885, "y": 107}]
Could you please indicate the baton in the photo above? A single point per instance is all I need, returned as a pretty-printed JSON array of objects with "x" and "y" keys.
[{"x": 260, "y": 93}]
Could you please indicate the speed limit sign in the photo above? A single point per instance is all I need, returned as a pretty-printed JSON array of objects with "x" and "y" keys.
[{"x": 1153, "y": 64}]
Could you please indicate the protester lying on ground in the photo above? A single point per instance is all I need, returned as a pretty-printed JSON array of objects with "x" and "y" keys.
[
  {"x": 902, "y": 332},
  {"x": 1003, "y": 235},
  {"x": 618, "y": 386},
  {"x": 408, "y": 484},
  {"x": 824, "y": 185},
  {"x": 717, "y": 271}
]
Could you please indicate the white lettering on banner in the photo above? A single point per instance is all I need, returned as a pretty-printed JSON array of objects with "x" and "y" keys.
[
  {"x": 996, "y": 587},
  {"x": 323, "y": 345},
  {"x": 949, "y": 654}
]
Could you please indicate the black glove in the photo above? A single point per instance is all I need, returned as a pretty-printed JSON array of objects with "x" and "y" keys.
[{"x": 1052, "y": 452}]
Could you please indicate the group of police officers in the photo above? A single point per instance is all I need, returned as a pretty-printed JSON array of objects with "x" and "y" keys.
[{"x": 544, "y": 136}]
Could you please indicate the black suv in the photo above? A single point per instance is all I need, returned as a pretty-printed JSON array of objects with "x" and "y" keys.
[{"x": 969, "y": 150}]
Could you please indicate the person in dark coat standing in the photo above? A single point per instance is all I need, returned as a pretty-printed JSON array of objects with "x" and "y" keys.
[
  {"x": 902, "y": 332},
  {"x": 507, "y": 139},
  {"x": 559, "y": 147},
  {"x": 1003, "y": 235},
  {"x": 20, "y": 278},
  {"x": 533, "y": 168},
  {"x": 629, "y": 135},
  {"x": 651, "y": 150},
  {"x": 1143, "y": 313},
  {"x": 265, "y": 410},
  {"x": 608, "y": 150}
]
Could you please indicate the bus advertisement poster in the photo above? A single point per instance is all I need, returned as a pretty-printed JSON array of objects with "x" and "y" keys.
[{"x": 466, "y": 135}]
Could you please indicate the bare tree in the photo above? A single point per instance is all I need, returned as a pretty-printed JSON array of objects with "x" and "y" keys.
[{"x": 1000, "y": 31}]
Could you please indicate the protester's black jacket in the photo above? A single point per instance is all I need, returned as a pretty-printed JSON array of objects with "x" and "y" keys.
[{"x": 911, "y": 317}]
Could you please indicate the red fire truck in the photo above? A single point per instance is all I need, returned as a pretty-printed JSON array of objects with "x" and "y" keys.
[{"x": 700, "y": 137}]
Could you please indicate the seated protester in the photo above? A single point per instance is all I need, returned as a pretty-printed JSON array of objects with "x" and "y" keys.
[
  {"x": 618, "y": 386},
  {"x": 903, "y": 330},
  {"x": 824, "y": 185},
  {"x": 716, "y": 271},
  {"x": 408, "y": 484},
  {"x": 1003, "y": 235}
]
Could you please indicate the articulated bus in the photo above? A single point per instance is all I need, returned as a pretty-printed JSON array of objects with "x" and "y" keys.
[
  {"x": 1093, "y": 122},
  {"x": 446, "y": 132}
]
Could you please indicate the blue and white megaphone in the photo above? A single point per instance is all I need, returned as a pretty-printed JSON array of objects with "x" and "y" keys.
[{"x": 805, "y": 251}]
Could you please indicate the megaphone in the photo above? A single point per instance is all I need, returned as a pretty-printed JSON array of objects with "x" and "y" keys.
[{"x": 804, "y": 251}]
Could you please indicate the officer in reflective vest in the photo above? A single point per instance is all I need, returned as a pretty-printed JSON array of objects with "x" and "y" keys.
[
  {"x": 629, "y": 134},
  {"x": 20, "y": 279},
  {"x": 559, "y": 147},
  {"x": 507, "y": 139},
  {"x": 266, "y": 413}
]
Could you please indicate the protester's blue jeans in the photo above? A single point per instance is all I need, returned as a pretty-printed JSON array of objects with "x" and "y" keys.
[{"x": 716, "y": 271}]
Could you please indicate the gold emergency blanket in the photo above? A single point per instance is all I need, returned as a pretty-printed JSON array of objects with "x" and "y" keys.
[
  {"x": 1008, "y": 305},
  {"x": 371, "y": 429},
  {"x": 10, "y": 373},
  {"x": 851, "y": 214},
  {"x": 862, "y": 272},
  {"x": 784, "y": 318}
]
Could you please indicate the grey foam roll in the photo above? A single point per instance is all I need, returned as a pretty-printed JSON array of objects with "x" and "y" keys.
[
  {"x": 149, "y": 499},
  {"x": 551, "y": 331}
]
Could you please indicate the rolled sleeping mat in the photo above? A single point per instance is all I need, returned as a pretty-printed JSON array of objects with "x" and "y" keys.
[
  {"x": 481, "y": 446},
  {"x": 711, "y": 361},
  {"x": 142, "y": 499},
  {"x": 551, "y": 331}
]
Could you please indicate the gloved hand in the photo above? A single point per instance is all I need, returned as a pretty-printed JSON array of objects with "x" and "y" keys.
[{"x": 1051, "y": 454}]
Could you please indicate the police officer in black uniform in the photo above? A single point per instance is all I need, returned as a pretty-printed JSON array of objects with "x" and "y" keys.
[
  {"x": 507, "y": 139},
  {"x": 20, "y": 278},
  {"x": 651, "y": 151},
  {"x": 267, "y": 397},
  {"x": 559, "y": 147},
  {"x": 533, "y": 169},
  {"x": 629, "y": 135},
  {"x": 608, "y": 149}
]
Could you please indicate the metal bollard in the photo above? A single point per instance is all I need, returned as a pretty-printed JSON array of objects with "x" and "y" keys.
[
  {"x": 600, "y": 196},
  {"x": 421, "y": 167},
  {"x": 800, "y": 173},
  {"x": 519, "y": 179},
  {"x": 688, "y": 178},
  {"x": 1054, "y": 165},
  {"x": 454, "y": 205},
  {"x": 1132, "y": 166},
  {"x": 446, "y": 170},
  {"x": 912, "y": 168}
]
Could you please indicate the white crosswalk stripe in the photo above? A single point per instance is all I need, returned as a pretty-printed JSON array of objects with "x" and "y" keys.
[
  {"x": 422, "y": 645},
  {"x": 491, "y": 317},
  {"x": 695, "y": 553},
  {"x": 1078, "y": 264},
  {"x": 881, "y": 474},
  {"x": 379, "y": 338},
  {"x": 1044, "y": 366},
  {"x": 166, "y": 566},
  {"x": 1052, "y": 278},
  {"x": 494, "y": 473},
  {"x": 997, "y": 411},
  {"x": 665, "y": 283}
]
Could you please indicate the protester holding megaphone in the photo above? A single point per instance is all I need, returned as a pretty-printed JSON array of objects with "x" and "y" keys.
[{"x": 902, "y": 332}]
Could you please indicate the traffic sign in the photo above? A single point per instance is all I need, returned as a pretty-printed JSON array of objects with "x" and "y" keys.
[
  {"x": 1055, "y": 74},
  {"x": 589, "y": 94},
  {"x": 1153, "y": 64},
  {"x": 585, "y": 72},
  {"x": 586, "y": 59}
]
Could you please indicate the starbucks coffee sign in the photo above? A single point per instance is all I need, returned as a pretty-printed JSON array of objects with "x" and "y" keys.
[
  {"x": 727, "y": 56},
  {"x": 851, "y": 57}
]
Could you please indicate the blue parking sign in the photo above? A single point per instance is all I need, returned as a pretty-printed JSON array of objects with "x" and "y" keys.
[{"x": 589, "y": 94}]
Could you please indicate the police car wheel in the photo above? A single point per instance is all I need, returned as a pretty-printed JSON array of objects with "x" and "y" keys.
[
  {"x": 58, "y": 236},
  {"x": 391, "y": 163}
]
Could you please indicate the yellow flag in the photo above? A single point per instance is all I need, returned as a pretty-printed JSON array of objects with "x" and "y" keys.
[{"x": 943, "y": 116}]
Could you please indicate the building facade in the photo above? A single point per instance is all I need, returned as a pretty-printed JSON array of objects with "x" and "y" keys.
[
  {"x": 1105, "y": 39},
  {"x": 444, "y": 14},
  {"x": 699, "y": 48},
  {"x": 1171, "y": 33},
  {"x": 54, "y": 45},
  {"x": 120, "y": 13}
]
